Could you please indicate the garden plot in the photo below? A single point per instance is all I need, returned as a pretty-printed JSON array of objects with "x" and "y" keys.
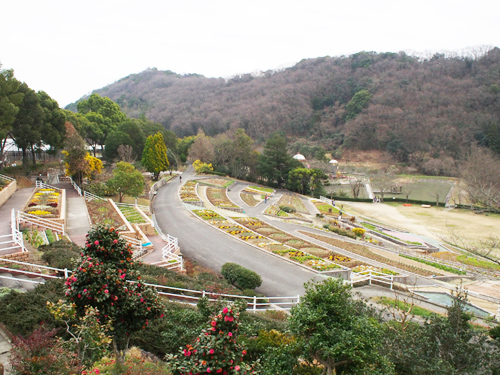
[
  {"x": 366, "y": 252},
  {"x": 45, "y": 203},
  {"x": 251, "y": 197},
  {"x": 132, "y": 215},
  {"x": 187, "y": 192},
  {"x": 103, "y": 212},
  {"x": 223, "y": 183},
  {"x": 218, "y": 198},
  {"x": 296, "y": 249}
]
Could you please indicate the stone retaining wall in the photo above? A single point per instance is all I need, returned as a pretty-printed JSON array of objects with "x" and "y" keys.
[{"x": 7, "y": 192}]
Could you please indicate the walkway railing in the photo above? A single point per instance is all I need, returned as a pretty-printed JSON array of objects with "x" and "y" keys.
[
  {"x": 325, "y": 200},
  {"x": 370, "y": 276},
  {"x": 6, "y": 178},
  {"x": 43, "y": 185},
  {"x": 38, "y": 221},
  {"x": 89, "y": 196},
  {"x": 77, "y": 188},
  {"x": 181, "y": 295}
]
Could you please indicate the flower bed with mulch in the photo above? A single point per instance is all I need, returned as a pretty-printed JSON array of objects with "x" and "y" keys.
[
  {"x": 218, "y": 198},
  {"x": 252, "y": 199},
  {"x": 188, "y": 193},
  {"x": 103, "y": 212},
  {"x": 366, "y": 252},
  {"x": 218, "y": 182},
  {"x": 291, "y": 247}
]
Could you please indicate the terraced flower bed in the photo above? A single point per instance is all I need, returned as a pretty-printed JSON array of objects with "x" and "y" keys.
[
  {"x": 45, "y": 203},
  {"x": 293, "y": 248},
  {"x": 251, "y": 199},
  {"x": 132, "y": 215},
  {"x": 218, "y": 182},
  {"x": 102, "y": 212},
  {"x": 188, "y": 192},
  {"x": 366, "y": 252},
  {"x": 209, "y": 215},
  {"x": 292, "y": 200},
  {"x": 326, "y": 209},
  {"x": 218, "y": 198}
]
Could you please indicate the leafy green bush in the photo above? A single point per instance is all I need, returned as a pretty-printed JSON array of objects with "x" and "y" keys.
[
  {"x": 288, "y": 209},
  {"x": 181, "y": 324},
  {"x": 60, "y": 254},
  {"x": 22, "y": 313},
  {"x": 100, "y": 188},
  {"x": 240, "y": 276},
  {"x": 340, "y": 231}
]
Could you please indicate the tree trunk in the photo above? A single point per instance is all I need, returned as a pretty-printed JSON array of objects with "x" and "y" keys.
[
  {"x": 25, "y": 160},
  {"x": 33, "y": 155}
]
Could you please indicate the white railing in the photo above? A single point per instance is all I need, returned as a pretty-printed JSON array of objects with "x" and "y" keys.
[
  {"x": 43, "y": 185},
  {"x": 36, "y": 266},
  {"x": 36, "y": 220},
  {"x": 325, "y": 200},
  {"x": 136, "y": 245},
  {"x": 10, "y": 243},
  {"x": 181, "y": 295},
  {"x": 168, "y": 254},
  {"x": 6, "y": 178},
  {"x": 17, "y": 235},
  {"x": 77, "y": 188},
  {"x": 89, "y": 196},
  {"x": 358, "y": 277}
]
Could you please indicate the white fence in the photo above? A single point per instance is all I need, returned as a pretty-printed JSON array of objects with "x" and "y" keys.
[
  {"x": 358, "y": 277},
  {"x": 89, "y": 196},
  {"x": 38, "y": 221},
  {"x": 181, "y": 295},
  {"x": 6, "y": 178}
]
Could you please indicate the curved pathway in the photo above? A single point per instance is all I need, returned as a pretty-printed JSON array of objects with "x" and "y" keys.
[{"x": 212, "y": 248}]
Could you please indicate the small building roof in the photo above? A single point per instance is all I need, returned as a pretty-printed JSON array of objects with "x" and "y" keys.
[{"x": 299, "y": 157}]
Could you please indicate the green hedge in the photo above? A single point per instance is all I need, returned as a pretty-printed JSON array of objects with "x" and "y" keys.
[
  {"x": 340, "y": 231},
  {"x": 436, "y": 265},
  {"x": 240, "y": 276}
]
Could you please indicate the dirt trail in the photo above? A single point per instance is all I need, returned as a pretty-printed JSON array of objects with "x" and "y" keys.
[{"x": 434, "y": 222}]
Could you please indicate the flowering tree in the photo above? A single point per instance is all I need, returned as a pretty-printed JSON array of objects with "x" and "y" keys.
[
  {"x": 215, "y": 351},
  {"x": 106, "y": 279}
]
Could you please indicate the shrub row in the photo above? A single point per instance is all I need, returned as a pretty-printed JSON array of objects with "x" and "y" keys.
[
  {"x": 340, "y": 231},
  {"x": 436, "y": 265}
]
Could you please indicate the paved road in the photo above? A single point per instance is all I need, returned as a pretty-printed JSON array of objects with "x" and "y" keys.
[{"x": 211, "y": 248}]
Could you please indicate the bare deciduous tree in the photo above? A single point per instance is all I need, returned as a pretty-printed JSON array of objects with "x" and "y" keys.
[
  {"x": 486, "y": 247},
  {"x": 481, "y": 177},
  {"x": 126, "y": 153}
]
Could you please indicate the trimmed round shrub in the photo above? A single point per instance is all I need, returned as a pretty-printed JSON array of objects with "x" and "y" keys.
[
  {"x": 358, "y": 231},
  {"x": 288, "y": 209},
  {"x": 240, "y": 276}
]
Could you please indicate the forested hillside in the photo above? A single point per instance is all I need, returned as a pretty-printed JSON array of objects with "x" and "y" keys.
[{"x": 417, "y": 109}]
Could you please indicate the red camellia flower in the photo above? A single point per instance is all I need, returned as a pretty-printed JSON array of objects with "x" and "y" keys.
[
  {"x": 96, "y": 242},
  {"x": 211, "y": 351}
]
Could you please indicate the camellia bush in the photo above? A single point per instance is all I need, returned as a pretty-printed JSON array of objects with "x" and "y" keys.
[
  {"x": 106, "y": 279},
  {"x": 215, "y": 351}
]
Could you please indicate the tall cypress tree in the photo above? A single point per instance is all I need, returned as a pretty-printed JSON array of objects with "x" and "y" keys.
[{"x": 154, "y": 156}]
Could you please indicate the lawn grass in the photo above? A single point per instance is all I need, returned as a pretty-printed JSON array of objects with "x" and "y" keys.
[{"x": 401, "y": 305}]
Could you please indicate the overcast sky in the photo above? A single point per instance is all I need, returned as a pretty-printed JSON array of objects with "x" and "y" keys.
[{"x": 69, "y": 48}]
